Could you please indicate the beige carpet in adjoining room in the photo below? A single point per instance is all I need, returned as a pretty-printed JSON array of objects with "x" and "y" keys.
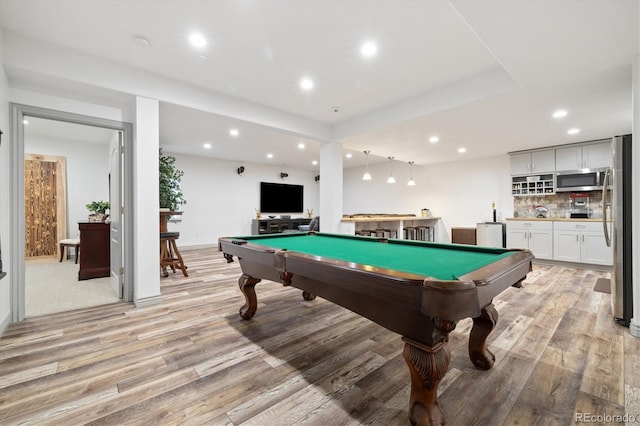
[{"x": 54, "y": 287}]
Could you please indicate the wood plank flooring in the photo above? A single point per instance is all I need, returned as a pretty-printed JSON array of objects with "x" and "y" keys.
[{"x": 191, "y": 360}]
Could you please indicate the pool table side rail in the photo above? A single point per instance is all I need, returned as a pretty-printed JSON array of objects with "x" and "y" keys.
[{"x": 479, "y": 277}]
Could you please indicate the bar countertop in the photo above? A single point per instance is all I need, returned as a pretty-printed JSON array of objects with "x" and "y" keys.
[{"x": 553, "y": 219}]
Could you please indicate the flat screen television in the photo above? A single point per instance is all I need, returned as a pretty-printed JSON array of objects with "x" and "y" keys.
[{"x": 281, "y": 198}]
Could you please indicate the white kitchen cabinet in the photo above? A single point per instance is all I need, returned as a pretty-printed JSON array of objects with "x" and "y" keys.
[
  {"x": 536, "y": 236},
  {"x": 581, "y": 242},
  {"x": 534, "y": 162},
  {"x": 587, "y": 156},
  {"x": 597, "y": 155}
]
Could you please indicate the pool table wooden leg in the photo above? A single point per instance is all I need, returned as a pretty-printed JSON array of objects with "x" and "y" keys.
[
  {"x": 308, "y": 296},
  {"x": 427, "y": 366},
  {"x": 248, "y": 287},
  {"x": 482, "y": 357}
]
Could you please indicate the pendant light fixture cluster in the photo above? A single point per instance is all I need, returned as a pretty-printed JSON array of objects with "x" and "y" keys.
[{"x": 391, "y": 179}]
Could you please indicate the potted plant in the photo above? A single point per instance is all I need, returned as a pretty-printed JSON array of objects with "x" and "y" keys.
[
  {"x": 98, "y": 210},
  {"x": 171, "y": 197}
]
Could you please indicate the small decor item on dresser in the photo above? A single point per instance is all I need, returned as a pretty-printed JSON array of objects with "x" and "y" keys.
[
  {"x": 309, "y": 213},
  {"x": 98, "y": 210},
  {"x": 257, "y": 214}
]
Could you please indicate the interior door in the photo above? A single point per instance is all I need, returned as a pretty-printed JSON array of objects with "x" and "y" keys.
[{"x": 116, "y": 211}]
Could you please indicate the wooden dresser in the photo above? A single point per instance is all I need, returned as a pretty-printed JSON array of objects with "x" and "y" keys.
[{"x": 94, "y": 250}]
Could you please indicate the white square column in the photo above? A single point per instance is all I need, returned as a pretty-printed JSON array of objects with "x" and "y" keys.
[
  {"x": 330, "y": 187},
  {"x": 147, "y": 200}
]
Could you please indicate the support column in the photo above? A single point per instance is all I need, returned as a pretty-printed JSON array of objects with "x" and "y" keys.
[
  {"x": 634, "y": 327},
  {"x": 147, "y": 217},
  {"x": 330, "y": 187}
]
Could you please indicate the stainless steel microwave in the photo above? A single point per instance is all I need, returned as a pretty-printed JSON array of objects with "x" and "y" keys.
[{"x": 580, "y": 180}]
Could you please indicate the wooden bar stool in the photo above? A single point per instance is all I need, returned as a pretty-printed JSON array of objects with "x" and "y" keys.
[
  {"x": 170, "y": 255},
  {"x": 69, "y": 242}
]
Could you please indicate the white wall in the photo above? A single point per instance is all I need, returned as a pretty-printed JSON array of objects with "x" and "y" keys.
[
  {"x": 460, "y": 193},
  {"x": 87, "y": 174},
  {"x": 221, "y": 203},
  {"x": 5, "y": 287}
]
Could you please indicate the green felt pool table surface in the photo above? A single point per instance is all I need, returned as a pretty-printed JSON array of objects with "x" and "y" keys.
[{"x": 441, "y": 261}]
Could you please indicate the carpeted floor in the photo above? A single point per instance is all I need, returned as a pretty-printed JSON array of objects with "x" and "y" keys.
[{"x": 53, "y": 286}]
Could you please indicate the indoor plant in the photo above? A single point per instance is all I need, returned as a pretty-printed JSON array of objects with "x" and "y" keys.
[
  {"x": 98, "y": 210},
  {"x": 171, "y": 196}
]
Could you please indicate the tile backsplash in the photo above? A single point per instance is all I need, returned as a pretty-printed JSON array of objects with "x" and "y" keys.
[{"x": 559, "y": 205}]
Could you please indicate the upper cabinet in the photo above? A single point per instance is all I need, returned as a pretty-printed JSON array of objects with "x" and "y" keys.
[
  {"x": 588, "y": 156},
  {"x": 534, "y": 162}
]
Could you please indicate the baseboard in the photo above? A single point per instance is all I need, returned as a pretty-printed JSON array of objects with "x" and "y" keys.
[
  {"x": 148, "y": 301},
  {"x": 199, "y": 246},
  {"x": 574, "y": 265},
  {"x": 634, "y": 328},
  {"x": 5, "y": 323}
]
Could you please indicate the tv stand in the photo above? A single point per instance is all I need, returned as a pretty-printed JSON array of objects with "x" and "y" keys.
[{"x": 272, "y": 226}]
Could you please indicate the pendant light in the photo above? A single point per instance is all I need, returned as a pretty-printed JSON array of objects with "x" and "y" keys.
[
  {"x": 391, "y": 178},
  {"x": 411, "y": 181},
  {"x": 367, "y": 175}
]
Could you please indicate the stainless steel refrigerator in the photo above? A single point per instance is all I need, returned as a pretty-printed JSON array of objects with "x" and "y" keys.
[{"x": 616, "y": 195}]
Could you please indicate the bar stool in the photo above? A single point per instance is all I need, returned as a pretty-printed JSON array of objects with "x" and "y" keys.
[{"x": 170, "y": 255}]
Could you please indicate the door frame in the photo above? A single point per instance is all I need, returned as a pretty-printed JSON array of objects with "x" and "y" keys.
[{"x": 16, "y": 197}]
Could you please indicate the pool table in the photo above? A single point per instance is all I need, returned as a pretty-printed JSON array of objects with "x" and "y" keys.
[{"x": 414, "y": 288}]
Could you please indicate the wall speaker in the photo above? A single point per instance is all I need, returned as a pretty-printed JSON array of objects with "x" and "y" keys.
[
  {"x": 240, "y": 170},
  {"x": 317, "y": 178},
  {"x": 284, "y": 175}
]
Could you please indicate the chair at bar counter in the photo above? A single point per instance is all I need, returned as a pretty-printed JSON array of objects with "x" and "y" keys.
[
  {"x": 314, "y": 225},
  {"x": 169, "y": 254}
]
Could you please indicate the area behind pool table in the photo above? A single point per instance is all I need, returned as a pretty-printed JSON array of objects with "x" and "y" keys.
[{"x": 416, "y": 289}]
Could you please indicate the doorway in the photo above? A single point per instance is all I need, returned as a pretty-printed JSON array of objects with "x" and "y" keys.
[{"x": 120, "y": 131}]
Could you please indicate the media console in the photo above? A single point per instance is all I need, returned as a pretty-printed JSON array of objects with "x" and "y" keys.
[{"x": 272, "y": 226}]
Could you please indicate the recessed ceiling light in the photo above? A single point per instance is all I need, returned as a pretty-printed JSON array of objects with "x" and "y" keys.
[
  {"x": 314, "y": 162},
  {"x": 560, "y": 113},
  {"x": 306, "y": 84},
  {"x": 234, "y": 132},
  {"x": 348, "y": 155},
  {"x": 25, "y": 121},
  {"x": 207, "y": 145},
  {"x": 197, "y": 40},
  {"x": 140, "y": 41},
  {"x": 434, "y": 139},
  {"x": 269, "y": 155},
  {"x": 301, "y": 145},
  {"x": 369, "y": 49},
  {"x": 573, "y": 131},
  {"x": 462, "y": 150}
]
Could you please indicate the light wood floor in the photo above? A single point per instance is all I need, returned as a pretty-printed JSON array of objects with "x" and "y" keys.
[{"x": 192, "y": 360}]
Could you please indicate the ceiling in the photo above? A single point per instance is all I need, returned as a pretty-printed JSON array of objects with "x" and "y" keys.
[{"x": 483, "y": 75}]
